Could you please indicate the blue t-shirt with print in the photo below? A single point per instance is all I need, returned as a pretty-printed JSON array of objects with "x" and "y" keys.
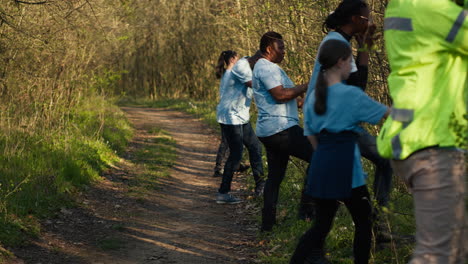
[
  {"x": 316, "y": 70},
  {"x": 273, "y": 116},
  {"x": 235, "y": 98},
  {"x": 347, "y": 107}
]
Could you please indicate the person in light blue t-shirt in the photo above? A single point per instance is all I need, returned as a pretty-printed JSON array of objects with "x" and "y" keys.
[
  {"x": 278, "y": 121},
  {"x": 351, "y": 19},
  {"x": 336, "y": 172},
  {"x": 232, "y": 113}
]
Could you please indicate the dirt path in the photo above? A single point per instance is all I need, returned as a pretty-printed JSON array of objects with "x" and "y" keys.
[{"x": 177, "y": 223}]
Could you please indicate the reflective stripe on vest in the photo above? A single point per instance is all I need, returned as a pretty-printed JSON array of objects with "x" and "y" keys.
[
  {"x": 456, "y": 26},
  {"x": 398, "y": 23},
  {"x": 396, "y": 146},
  {"x": 404, "y": 116}
]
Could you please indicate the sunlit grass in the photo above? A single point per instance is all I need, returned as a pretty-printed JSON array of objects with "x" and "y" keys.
[
  {"x": 41, "y": 171},
  {"x": 154, "y": 159}
]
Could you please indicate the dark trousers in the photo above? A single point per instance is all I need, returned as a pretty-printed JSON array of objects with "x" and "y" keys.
[
  {"x": 312, "y": 242},
  {"x": 383, "y": 171},
  {"x": 237, "y": 136},
  {"x": 289, "y": 142}
]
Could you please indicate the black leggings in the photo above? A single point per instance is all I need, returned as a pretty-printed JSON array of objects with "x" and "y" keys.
[
  {"x": 289, "y": 142},
  {"x": 314, "y": 239}
]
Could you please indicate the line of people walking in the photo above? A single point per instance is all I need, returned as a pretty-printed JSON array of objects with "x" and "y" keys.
[{"x": 335, "y": 105}]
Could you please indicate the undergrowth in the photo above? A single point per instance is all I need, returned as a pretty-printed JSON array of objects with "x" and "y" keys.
[{"x": 42, "y": 169}]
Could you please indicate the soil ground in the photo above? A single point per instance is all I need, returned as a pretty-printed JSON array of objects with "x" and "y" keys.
[{"x": 178, "y": 222}]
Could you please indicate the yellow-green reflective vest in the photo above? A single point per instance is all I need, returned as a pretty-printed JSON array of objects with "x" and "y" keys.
[{"x": 427, "y": 47}]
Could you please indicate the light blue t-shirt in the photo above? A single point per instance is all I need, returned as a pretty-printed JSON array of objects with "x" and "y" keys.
[
  {"x": 347, "y": 107},
  {"x": 235, "y": 98},
  {"x": 273, "y": 116},
  {"x": 316, "y": 70}
]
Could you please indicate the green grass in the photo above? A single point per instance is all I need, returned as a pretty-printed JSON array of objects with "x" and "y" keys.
[
  {"x": 41, "y": 170},
  {"x": 277, "y": 246},
  {"x": 154, "y": 159}
]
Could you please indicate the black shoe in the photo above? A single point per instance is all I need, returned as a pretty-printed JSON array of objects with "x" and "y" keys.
[
  {"x": 268, "y": 220},
  {"x": 317, "y": 260},
  {"x": 259, "y": 187},
  {"x": 314, "y": 256},
  {"x": 243, "y": 167}
]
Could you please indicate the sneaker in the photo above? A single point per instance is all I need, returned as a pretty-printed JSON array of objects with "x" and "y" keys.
[
  {"x": 226, "y": 198},
  {"x": 259, "y": 188}
]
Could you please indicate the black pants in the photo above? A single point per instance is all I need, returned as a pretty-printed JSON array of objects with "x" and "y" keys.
[
  {"x": 383, "y": 171},
  {"x": 314, "y": 239},
  {"x": 238, "y": 136},
  {"x": 289, "y": 142}
]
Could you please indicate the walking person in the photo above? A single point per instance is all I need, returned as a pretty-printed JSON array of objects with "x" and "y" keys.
[
  {"x": 351, "y": 19},
  {"x": 335, "y": 172},
  {"x": 277, "y": 122},
  {"x": 233, "y": 115},
  {"x": 427, "y": 47}
]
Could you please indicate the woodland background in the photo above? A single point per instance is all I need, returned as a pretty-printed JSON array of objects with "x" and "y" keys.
[{"x": 64, "y": 64}]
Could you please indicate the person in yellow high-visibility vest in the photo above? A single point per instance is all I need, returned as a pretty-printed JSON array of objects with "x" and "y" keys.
[{"x": 427, "y": 46}]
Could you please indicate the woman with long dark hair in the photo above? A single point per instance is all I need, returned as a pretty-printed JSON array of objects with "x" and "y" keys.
[
  {"x": 333, "y": 119},
  {"x": 226, "y": 61},
  {"x": 232, "y": 113},
  {"x": 351, "y": 19}
]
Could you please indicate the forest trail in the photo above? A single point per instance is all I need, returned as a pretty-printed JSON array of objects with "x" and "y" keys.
[{"x": 178, "y": 222}]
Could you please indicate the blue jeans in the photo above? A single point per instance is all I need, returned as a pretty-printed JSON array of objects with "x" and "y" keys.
[
  {"x": 237, "y": 136},
  {"x": 383, "y": 171}
]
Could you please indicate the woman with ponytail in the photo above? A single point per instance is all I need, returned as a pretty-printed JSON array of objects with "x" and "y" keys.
[
  {"x": 232, "y": 113},
  {"x": 333, "y": 120},
  {"x": 226, "y": 61},
  {"x": 351, "y": 19}
]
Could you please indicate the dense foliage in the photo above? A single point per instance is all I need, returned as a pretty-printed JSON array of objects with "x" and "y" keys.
[{"x": 62, "y": 63}]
